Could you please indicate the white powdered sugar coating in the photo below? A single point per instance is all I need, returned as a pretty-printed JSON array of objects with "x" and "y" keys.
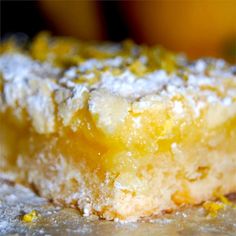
[
  {"x": 95, "y": 63},
  {"x": 127, "y": 84},
  {"x": 48, "y": 94},
  {"x": 29, "y": 84}
]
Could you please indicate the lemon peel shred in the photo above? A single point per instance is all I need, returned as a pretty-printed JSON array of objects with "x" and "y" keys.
[
  {"x": 212, "y": 208},
  {"x": 31, "y": 216}
]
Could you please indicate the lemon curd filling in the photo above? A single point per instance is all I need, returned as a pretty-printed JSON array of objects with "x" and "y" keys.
[{"x": 117, "y": 130}]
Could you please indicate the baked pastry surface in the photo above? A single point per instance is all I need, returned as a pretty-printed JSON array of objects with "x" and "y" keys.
[{"x": 117, "y": 130}]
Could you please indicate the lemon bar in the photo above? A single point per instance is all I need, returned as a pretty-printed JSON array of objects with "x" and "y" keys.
[{"x": 121, "y": 131}]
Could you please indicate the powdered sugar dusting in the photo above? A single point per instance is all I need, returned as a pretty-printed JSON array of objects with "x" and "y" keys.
[
  {"x": 29, "y": 84},
  {"x": 16, "y": 200},
  {"x": 48, "y": 93}
]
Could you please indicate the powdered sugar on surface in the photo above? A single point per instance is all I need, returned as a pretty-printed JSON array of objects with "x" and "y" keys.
[{"x": 16, "y": 200}]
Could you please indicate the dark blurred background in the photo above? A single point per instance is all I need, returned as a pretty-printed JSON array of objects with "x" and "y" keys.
[
  {"x": 196, "y": 27},
  {"x": 21, "y": 16},
  {"x": 28, "y": 17}
]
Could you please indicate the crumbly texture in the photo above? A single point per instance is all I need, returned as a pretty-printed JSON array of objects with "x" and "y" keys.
[
  {"x": 117, "y": 130},
  {"x": 17, "y": 201}
]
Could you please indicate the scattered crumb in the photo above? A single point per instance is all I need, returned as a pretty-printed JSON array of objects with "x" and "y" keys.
[{"x": 31, "y": 216}]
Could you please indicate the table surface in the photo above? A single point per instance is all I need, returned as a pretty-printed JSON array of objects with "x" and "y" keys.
[{"x": 15, "y": 201}]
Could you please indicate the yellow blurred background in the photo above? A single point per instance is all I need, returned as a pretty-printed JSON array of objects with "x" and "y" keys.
[{"x": 196, "y": 27}]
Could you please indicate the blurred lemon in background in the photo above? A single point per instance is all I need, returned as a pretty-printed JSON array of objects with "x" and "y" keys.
[
  {"x": 78, "y": 18},
  {"x": 196, "y": 27}
]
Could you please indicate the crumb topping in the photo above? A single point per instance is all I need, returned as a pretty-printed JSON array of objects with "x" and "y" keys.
[{"x": 57, "y": 77}]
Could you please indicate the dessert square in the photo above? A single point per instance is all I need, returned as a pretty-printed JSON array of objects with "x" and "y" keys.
[{"x": 121, "y": 131}]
